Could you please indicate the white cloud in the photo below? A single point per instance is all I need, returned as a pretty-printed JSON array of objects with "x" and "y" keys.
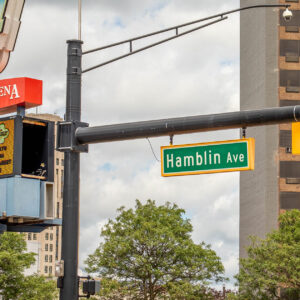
[{"x": 195, "y": 74}]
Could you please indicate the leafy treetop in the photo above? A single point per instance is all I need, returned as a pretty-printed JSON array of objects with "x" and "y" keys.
[{"x": 149, "y": 253}]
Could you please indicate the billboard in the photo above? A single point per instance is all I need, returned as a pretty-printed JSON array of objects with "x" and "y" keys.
[
  {"x": 6, "y": 147},
  {"x": 27, "y": 148}
]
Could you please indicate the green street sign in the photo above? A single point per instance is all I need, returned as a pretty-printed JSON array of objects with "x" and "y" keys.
[{"x": 214, "y": 157}]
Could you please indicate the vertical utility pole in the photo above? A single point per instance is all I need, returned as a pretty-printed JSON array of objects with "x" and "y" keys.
[
  {"x": 79, "y": 19},
  {"x": 70, "y": 228}
]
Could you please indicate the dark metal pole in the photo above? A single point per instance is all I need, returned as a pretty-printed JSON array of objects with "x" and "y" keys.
[
  {"x": 163, "y": 127},
  {"x": 70, "y": 227}
]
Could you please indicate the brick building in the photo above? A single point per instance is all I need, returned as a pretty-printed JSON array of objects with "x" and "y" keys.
[{"x": 270, "y": 77}]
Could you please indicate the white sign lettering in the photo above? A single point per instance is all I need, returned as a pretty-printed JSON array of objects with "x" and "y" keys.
[{"x": 9, "y": 90}]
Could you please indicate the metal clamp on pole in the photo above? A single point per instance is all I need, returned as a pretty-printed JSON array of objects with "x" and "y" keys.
[
  {"x": 66, "y": 140},
  {"x": 89, "y": 287}
]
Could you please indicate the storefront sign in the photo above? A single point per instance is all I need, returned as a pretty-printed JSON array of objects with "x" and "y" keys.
[{"x": 22, "y": 91}]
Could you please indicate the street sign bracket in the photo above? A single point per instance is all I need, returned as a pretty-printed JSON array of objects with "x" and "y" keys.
[{"x": 66, "y": 141}]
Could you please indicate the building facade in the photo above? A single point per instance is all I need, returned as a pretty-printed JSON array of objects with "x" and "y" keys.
[
  {"x": 47, "y": 244},
  {"x": 269, "y": 77}
]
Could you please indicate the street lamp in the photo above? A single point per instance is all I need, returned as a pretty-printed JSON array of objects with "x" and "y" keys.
[{"x": 73, "y": 135}]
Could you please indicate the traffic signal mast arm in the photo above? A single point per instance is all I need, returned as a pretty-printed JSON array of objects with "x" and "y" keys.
[{"x": 183, "y": 125}]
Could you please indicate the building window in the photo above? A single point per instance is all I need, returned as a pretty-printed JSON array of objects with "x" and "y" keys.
[
  {"x": 290, "y": 49},
  {"x": 47, "y": 236},
  {"x": 62, "y": 183},
  {"x": 291, "y": 57},
  {"x": 46, "y": 258},
  {"x": 51, "y": 236},
  {"x": 56, "y": 244},
  {"x": 51, "y": 247},
  {"x": 50, "y": 270},
  {"x": 291, "y": 29},
  {"x": 34, "y": 236},
  {"x": 62, "y": 162},
  {"x": 57, "y": 187},
  {"x": 285, "y": 138},
  {"x": 290, "y": 169},
  {"x": 46, "y": 247},
  {"x": 57, "y": 209},
  {"x": 292, "y": 180},
  {"x": 290, "y": 79},
  {"x": 29, "y": 236},
  {"x": 56, "y": 172},
  {"x": 289, "y": 102},
  {"x": 46, "y": 269},
  {"x": 289, "y": 200},
  {"x": 50, "y": 258},
  {"x": 57, "y": 161}
]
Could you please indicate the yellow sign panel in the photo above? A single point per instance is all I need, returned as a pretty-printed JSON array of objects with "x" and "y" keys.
[
  {"x": 6, "y": 147},
  {"x": 296, "y": 138}
]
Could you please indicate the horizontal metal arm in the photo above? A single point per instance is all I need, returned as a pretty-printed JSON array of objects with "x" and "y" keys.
[
  {"x": 183, "y": 125},
  {"x": 153, "y": 45},
  {"x": 131, "y": 52},
  {"x": 182, "y": 25}
]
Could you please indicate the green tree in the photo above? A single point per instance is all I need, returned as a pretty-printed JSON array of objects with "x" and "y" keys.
[
  {"x": 148, "y": 253},
  {"x": 272, "y": 268},
  {"x": 13, "y": 261},
  {"x": 38, "y": 288}
]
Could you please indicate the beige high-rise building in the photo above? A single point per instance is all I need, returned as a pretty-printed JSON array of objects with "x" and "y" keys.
[
  {"x": 270, "y": 77},
  {"x": 47, "y": 244}
]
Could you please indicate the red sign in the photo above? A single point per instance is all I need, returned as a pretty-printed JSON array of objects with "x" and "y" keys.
[{"x": 23, "y": 91}]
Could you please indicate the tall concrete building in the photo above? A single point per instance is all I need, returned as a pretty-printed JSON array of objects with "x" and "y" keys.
[
  {"x": 47, "y": 244},
  {"x": 269, "y": 77}
]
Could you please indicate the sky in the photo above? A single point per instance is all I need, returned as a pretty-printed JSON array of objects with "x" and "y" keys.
[{"x": 194, "y": 75}]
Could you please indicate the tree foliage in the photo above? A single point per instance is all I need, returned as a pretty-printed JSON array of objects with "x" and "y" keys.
[
  {"x": 38, "y": 288},
  {"x": 148, "y": 253},
  {"x": 272, "y": 268},
  {"x": 13, "y": 261}
]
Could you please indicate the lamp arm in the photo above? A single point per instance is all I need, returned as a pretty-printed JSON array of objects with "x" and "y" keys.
[
  {"x": 182, "y": 25},
  {"x": 152, "y": 45},
  {"x": 221, "y": 15}
]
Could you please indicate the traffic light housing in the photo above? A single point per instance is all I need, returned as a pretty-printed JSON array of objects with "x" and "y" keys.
[{"x": 91, "y": 287}]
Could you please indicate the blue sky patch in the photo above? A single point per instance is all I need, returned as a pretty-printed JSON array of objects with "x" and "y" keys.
[
  {"x": 106, "y": 167},
  {"x": 118, "y": 23},
  {"x": 152, "y": 11},
  {"x": 229, "y": 62}
]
